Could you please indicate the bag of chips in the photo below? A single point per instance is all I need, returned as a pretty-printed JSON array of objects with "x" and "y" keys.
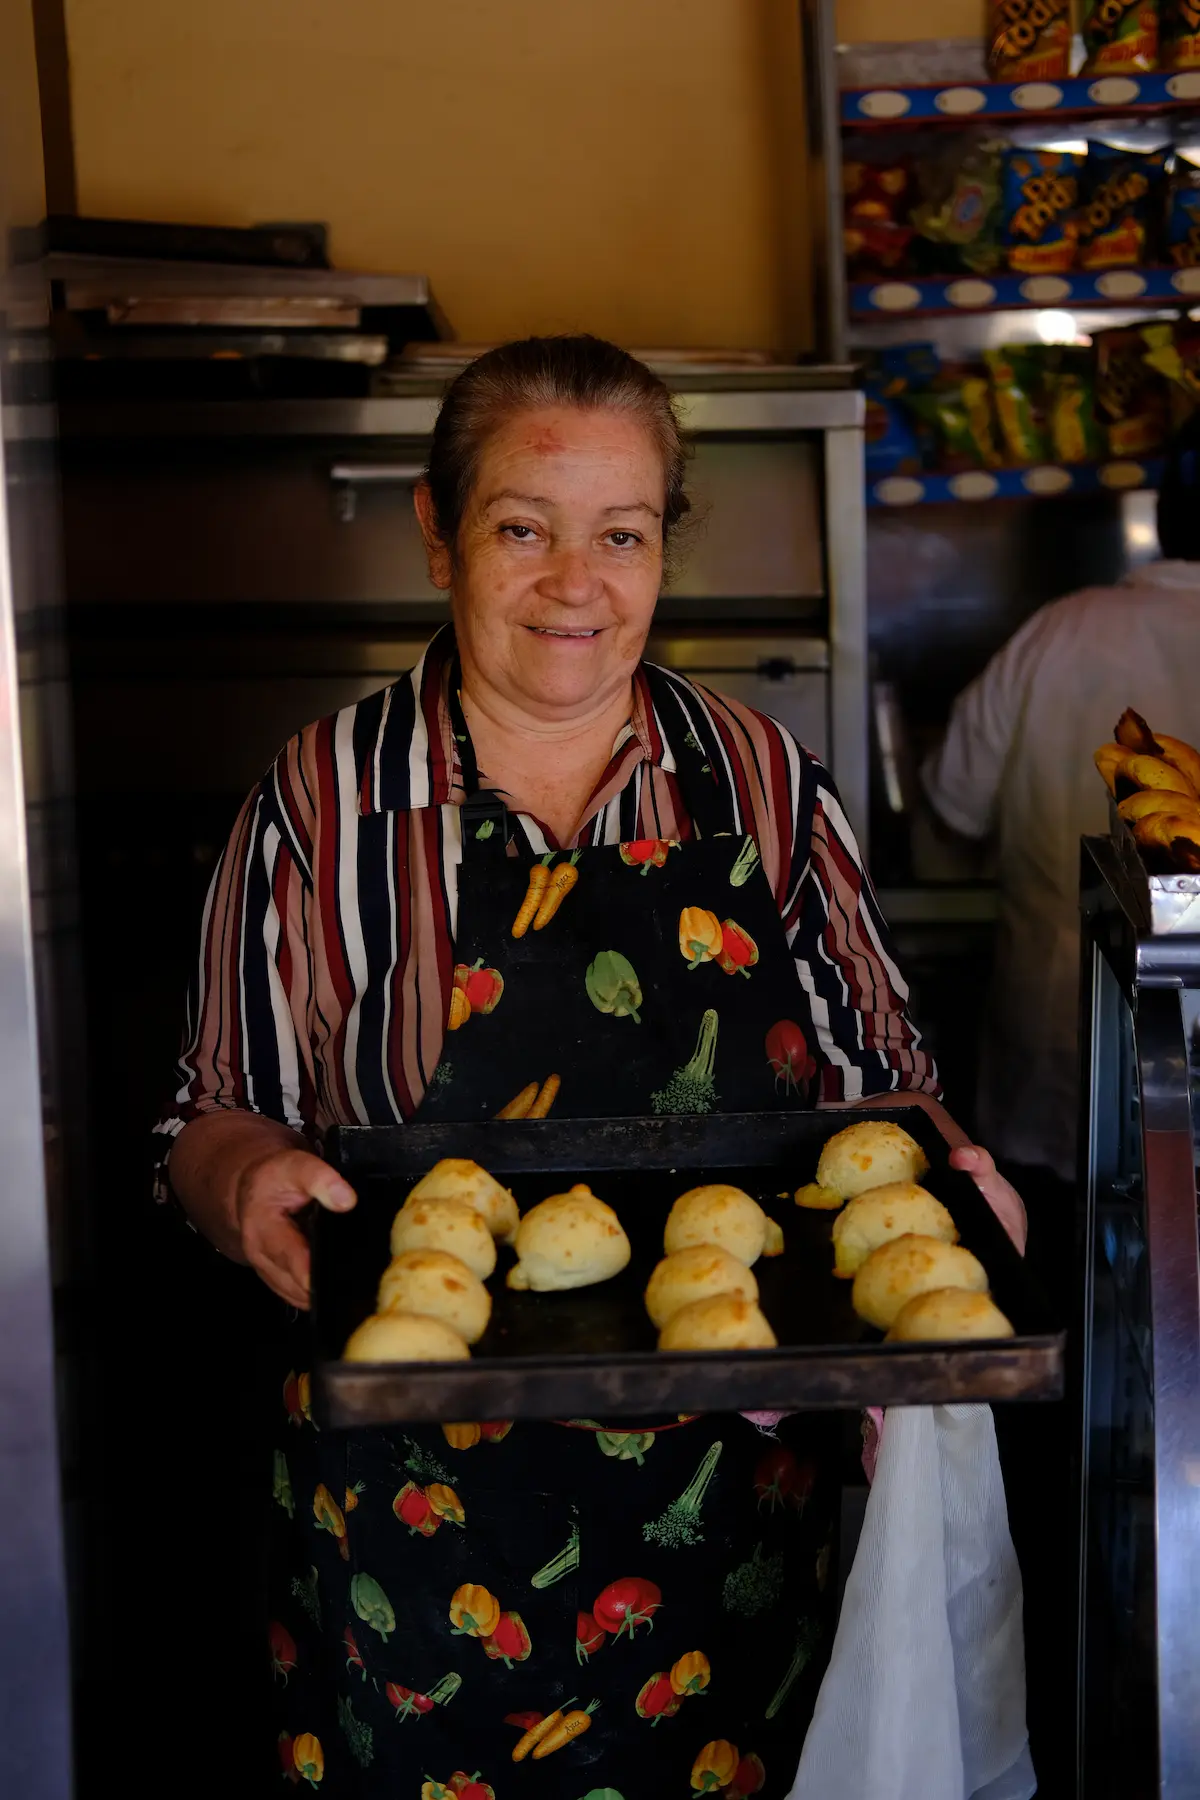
[
  {"x": 876, "y": 232},
  {"x": 1183, "y": 216},
  {"x": 1122, "y": 206},
  {"x": 1016, "y": 377},
  {"x": 1131, "y": 397},
  {"x": 959, "y": 414},
  {"x": 960, "y": 209},
  {"x": 1029, "y": 40},
  {"x": 1040, "y": 218},
  {"x": 1074, "y": 430},
  {"x": 1179, "y": 29},
  {"x": 1121, "y": 36}
]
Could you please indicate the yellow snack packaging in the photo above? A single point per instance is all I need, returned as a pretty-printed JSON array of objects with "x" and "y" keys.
[
  {"x": 1029, "y": 40},
  {"x": 1121, "y": 36}
]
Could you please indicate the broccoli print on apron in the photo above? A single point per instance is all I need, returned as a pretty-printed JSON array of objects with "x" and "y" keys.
[{"x": 578, "y": 1610}]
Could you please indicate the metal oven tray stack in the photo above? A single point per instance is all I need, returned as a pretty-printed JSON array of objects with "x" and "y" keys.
[{"x": 590, "y": 1353}]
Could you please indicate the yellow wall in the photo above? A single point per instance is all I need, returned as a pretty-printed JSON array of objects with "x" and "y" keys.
[
  {"x": 22, "y": 192},
  {"x": 883, "y": 21},
  {"x": 630, "y": 166}
]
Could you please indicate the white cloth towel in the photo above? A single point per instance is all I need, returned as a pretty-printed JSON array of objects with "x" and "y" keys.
[{"x": 924, "y": 1697}]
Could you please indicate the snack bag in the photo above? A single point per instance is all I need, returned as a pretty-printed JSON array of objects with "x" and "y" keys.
[
  {"x": 1122, "y": 203},
  {"x": 1074, "y": 430},
  {"x": 1029, "y": 40},
  {"x": 960, "y": 417},
  {"x": 1179, "y": 28},
  {"x": 1183, "y": 216},
  {"x": 960, "y": 210},
  {"x": 1131, "y": 397},
  {"x": 1016, "y": 393},
  {"x": 892, "y": 444},
  {"x": 1121, "y": 36},
  {"x": 876, "y": 232},
  {"x": 1041, "y": 196}
]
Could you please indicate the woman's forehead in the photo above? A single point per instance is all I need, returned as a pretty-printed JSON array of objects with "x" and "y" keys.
[{"x": 563, "y": 433}]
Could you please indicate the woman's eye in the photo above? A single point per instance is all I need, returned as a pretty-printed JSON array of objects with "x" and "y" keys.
[
  {"x": 622, "y": 539},
  {"x": 521, "y": 534}
]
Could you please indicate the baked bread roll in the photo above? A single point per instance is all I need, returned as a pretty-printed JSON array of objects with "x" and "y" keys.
[
  {"x": 404, "y": 1337},
  {"x": 884, "y": 1213},
  {"x": 437, "y": 1286},
  {"x": 1155, "y": 772},
  {"x": 456, "y": 1178},
  {"x": 722, "y": 1322},
  {"x": 571, "y": 1240},
  {"x": 897, "y": 1272},
  {"x": 719, "y": 1215},
  {"x": 1110, "y": 759},
  {"x": 1157, "y": 800},
  {"x": 869, "y": 1155},
  {"x": 449, "y": 1225},
  {"x": 948, "y": 1314},
  {"x": 695, "y": 1274}
]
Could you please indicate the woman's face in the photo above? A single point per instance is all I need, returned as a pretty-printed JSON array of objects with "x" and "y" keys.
[{"x": 559, "y": 559}]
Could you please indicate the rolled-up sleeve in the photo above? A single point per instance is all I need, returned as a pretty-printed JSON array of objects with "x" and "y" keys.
[
  {"x": 245, "y": 1035},
  {"x": 866, "y": 1042}
]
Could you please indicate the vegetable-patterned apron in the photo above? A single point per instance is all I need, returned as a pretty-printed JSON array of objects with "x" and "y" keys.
[{"x": 578, "y": 1610}]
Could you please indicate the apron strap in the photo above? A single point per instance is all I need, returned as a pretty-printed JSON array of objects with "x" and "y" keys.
[{"x": 483, "y": 814}]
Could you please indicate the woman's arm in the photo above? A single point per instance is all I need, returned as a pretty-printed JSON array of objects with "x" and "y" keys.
[{"x": 241, "y": 1179}]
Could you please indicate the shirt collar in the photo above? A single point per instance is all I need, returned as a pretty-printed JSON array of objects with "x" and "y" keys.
[{"x": 406, "y": 757}]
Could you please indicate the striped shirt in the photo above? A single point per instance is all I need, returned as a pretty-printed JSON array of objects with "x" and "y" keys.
[{"x": 326, "y": 956}]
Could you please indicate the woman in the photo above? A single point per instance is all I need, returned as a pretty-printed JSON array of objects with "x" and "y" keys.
[{"x": 443, "y": 1588}]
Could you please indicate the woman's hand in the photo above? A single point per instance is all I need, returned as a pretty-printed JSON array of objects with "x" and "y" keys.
[
  {"x": 269, "y": 1193},
  {"x": 1000, "y": 1194},
  {"x": 242, "y": 1178}
]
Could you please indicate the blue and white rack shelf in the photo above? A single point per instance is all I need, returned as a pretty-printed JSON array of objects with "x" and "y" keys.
[
  {"x": 957, "y": 103},
  {"x": 1119, "y": 475}
]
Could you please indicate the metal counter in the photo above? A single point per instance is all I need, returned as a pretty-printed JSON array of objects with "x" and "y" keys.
[{"x": 1139, "y": 1616}]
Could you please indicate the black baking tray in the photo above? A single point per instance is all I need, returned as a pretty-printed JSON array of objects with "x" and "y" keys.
[{"x": 590, "y": 1353}]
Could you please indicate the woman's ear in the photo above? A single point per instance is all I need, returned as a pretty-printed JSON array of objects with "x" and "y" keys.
[{"x": 437, "y": 554}]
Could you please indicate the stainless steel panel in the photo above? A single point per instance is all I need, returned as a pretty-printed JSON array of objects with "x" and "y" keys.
[
  {"x": 845, "y": 534},
  {"x": 198, "y": 523}
]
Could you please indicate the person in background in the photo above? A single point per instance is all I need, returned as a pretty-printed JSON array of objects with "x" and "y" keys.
[{"x": 1016, "y": 766}]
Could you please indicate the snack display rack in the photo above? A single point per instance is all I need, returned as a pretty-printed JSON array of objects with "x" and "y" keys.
[
  {"x": 1139, "y": 1626},
  {"x": 886, "y": 305}
]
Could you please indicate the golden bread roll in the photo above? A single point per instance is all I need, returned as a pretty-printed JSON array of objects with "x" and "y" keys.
[
  {"x": 1181, "y": 756},
  {"x": 449, "y": 1225},
  {"x": 1176, "y": 834},
  {"x": 694, "y": 1274},
  {"x": 1132, "y": 733},
  {"x": 571, "y": 1240},
  {"x": 1110, "y": 759},
  {"x": 817, "y": 1198},
  {"x": 1154, "y": 772},
  {"x": 884, "y": 1213},
  {"x": 897, "y": 1272},
  {"x": 456, "y": 1178},
  {"x": 717, "y": 1214},
  {"x": 438, "y": 1286},
  {"x": 1148, "y": 801},
  {"x": 722, "y": 1322},
  {"x": 867, "y": 1155},
  {"x": 948, "y": 1313},
  {"x": 404, "y": 1337}
]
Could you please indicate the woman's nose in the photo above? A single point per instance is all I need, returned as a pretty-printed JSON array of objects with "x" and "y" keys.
[{"x": 572, "y": 579}]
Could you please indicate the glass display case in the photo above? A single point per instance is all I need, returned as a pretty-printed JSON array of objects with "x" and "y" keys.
[{"x": 1139, "y": 1618}]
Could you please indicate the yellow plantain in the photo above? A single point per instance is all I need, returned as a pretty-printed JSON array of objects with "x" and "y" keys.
[
  {"x": 1110, "y": 759},
  {"x": 1157, "y": 800},
  {"x": 1132, "y": 731},
  {"x": 1154, "y": 772},
  {"x": 1183, "y": 757}
]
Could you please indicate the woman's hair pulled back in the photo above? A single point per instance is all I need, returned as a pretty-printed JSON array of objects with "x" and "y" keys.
[{"x": 534, "y": 373}]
